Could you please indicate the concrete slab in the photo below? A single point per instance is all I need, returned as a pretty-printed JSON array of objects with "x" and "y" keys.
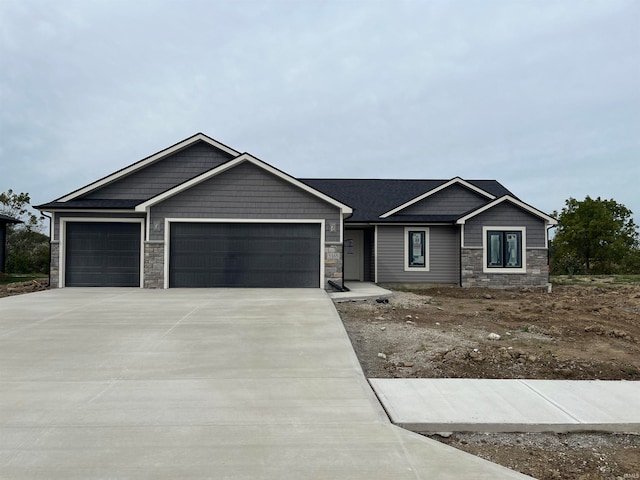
[
  {"x": 470, "y": 405},
  {"x": 360, "y": 291},
  {"x": 238, "y": 384}
]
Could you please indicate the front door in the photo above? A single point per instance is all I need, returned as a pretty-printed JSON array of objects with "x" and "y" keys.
[{"x": 353, "y": 255}]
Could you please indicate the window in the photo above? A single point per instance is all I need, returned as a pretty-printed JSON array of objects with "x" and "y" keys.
[
  {"x": 416, "y": 249},
  {"x": 503, "y": 249}
]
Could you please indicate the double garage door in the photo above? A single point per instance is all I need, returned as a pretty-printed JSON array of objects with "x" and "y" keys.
[{"x": 200, "y": 254}]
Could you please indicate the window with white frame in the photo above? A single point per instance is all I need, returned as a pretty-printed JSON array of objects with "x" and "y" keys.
[
  {"x": 504, "y": 249},
  {"x": 416, "y": 249}
]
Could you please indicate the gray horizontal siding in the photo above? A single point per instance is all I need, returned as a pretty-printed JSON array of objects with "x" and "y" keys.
[
  {"x": 246, "y": 191},
  {"x": 59, "y": 216},
  {"x": 164, "y": 174},
  {"x": 444, "y": 256},
  {"x": 455, "y": 199},
  {"x": 505, "y": 215}
]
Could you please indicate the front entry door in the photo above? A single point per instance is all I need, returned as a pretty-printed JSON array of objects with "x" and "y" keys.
[{"x": 353, "y": 255}]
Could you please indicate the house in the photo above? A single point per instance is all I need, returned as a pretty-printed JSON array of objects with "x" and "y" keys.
[
  {"x": 201, "y": 214},
  {"x": 4, "y": 221}
]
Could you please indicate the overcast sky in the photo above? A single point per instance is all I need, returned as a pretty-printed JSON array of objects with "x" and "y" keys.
[{"x": 543, "y": 96}]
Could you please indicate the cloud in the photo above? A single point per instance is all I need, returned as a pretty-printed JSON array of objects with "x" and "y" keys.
[{"x": 541, "y": 95}]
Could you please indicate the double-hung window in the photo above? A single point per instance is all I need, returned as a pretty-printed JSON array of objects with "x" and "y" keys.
[
  {"x": 504, "y": 249},
  {"x": 416, "y": 249}
]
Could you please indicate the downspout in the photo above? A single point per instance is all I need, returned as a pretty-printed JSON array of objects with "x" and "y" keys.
[{"x": 460, "y": 245}]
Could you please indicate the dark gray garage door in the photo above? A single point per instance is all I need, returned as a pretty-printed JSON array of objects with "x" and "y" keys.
[
  {"x": 102, "y": 254},
  {"x": 244, "y": 255}
]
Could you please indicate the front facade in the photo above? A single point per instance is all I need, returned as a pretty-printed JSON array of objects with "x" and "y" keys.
[{"x": 200, "y": 214}]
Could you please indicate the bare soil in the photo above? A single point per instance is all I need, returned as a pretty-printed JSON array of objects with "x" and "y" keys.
[
  {"x": 575, "y": 332},
  {"x": 18, "y": 288}
]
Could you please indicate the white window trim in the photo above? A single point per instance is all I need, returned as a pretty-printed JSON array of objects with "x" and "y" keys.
[
  {"x": 486, "y": 268},
  {"x": 62, "y": 251},
  {"x": 167, "y": 236},
  {"x": 405, "y": 239}
]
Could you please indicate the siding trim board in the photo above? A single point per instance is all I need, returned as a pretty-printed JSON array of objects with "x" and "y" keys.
[
  {"x": 169, "y": 221},
  {"x": 63, "y": 241}
]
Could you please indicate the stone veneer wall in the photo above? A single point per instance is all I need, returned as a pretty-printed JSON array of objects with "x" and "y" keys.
[
  {"x": 472, "y": 275},
  {"x": 54, "y": 267},
  {"x": 332, "y": 264},
  {"x": 153, "y": 265}
]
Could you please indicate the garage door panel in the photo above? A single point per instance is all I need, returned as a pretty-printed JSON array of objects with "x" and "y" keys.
[
  {"x": 244, "y": 255},
  {"x": 103, "y": 254}
]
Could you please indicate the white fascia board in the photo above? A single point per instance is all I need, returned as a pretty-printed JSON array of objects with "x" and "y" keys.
[
  {"x": 456, "y": 180},
  {"x": 147, "y": 161},
  {"x": 245, "y": 157},
  {"x": 508, "y": 198}
]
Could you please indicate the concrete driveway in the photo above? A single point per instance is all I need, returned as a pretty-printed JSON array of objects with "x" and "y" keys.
[{"x": 238, "y": 384}]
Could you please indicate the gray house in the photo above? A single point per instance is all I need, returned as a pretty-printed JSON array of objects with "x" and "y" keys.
[{"x": 201, "y": 214}]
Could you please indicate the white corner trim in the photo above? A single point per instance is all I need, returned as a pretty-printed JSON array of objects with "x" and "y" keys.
[
  {"x": 523, "y": 268},
  {"x": 375, "y": 254},
  {"x": 147, "y": 161},
  {"x": 456, "y": 180},
  {"x": 427, "y": 245},
  {"x": 245, "y": 157},
  {"x": 167, "y": 235},
  {"x": 63, "y": 241},
  {"x": 508, "y": 198}
]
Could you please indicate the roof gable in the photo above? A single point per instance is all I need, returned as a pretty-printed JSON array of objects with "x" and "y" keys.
[
  {"x": 514, "y": 201},
  {"x": 371, "y": 198},
  {"x": 146, "y": 162},
  {"x": 454, "y": 181},
  {"x": 245, "y": 157}
]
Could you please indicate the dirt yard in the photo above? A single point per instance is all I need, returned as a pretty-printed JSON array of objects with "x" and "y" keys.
[
  {"x": 19, "y": 288},
  {"x": 575, "y": 332}
]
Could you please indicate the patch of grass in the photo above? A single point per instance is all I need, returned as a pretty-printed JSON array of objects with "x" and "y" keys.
[{"x": 7, "y": 278}]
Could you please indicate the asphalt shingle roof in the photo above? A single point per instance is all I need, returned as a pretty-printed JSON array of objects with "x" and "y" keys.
[{"x": 92, "y": 203}]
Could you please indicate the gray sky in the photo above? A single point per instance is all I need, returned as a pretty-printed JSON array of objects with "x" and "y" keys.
[{"x": 542, "y": 95}]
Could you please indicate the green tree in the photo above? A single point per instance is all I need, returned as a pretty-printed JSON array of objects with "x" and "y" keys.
[
  {"x": 594, "y": 236},
  {"x": 27, "y": 246}
]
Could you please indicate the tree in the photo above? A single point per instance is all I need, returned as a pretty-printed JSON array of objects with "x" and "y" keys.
[
  {"x": 27, "y": 247},
  {"x": 594, "y": 236},
  {"x": 17, "y": 205}
]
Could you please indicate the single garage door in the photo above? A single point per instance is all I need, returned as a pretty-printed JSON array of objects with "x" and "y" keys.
[
  {"x": 102, "y": 254},
  {"x": 244, "y": 255}
]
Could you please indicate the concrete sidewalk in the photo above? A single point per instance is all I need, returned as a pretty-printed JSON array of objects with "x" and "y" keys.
[
  {"x": 468, "y": 405},
  {"x": 360, "y": 291},
  {"x": 198, "y": 383}
]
